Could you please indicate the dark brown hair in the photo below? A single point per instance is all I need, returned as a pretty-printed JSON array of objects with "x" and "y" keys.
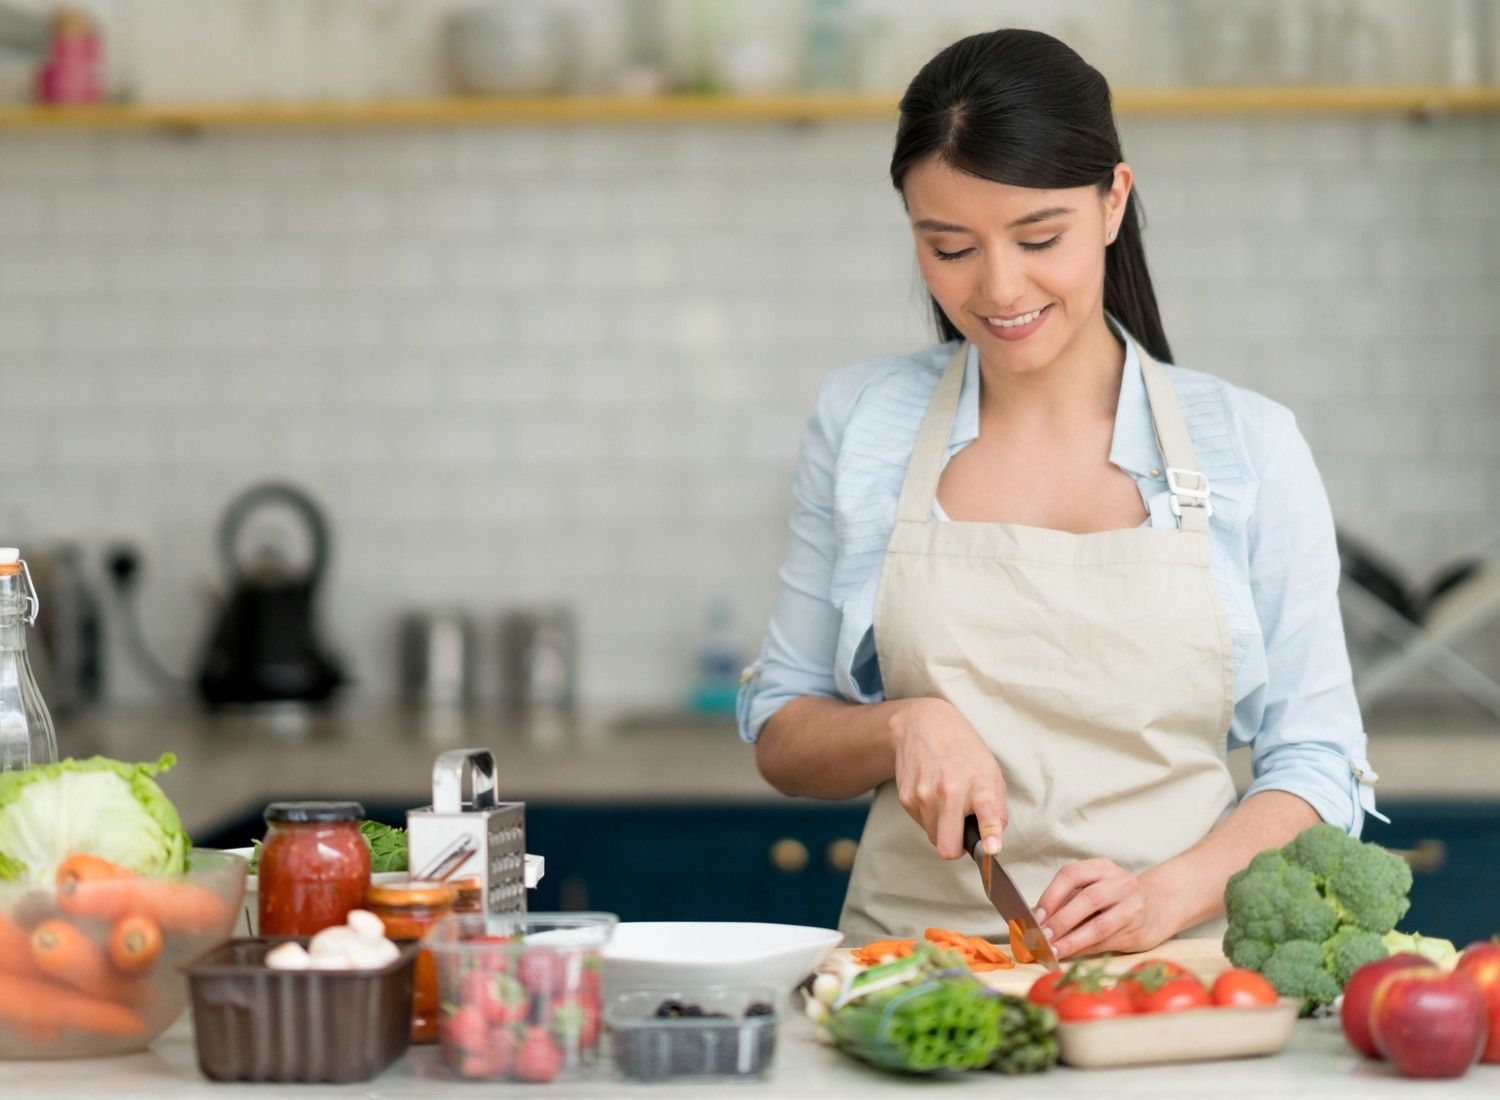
[{"x": 1021, "y": 108}]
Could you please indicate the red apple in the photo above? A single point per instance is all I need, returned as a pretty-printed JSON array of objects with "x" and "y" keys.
[
  {"x": 1481, "y": 961},
  {"x": 1428, "y": 1022},
  {"x": 1355, "y": 1011}
]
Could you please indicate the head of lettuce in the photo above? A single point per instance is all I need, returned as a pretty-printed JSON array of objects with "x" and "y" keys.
[{"x": 99, "y": 807}]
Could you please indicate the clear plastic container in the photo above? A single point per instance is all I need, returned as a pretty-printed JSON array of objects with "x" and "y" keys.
[
  {"x": 693, "y": 1033},
  {"x": 520, "y": 993}
]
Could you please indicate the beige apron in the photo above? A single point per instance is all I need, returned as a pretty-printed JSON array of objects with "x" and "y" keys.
[{"x": 1096, "y": 668}]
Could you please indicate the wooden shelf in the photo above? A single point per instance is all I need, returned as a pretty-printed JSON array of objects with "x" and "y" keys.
[{"x": 609, "y": 110}]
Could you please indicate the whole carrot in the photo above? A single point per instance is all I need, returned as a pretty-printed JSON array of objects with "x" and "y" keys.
[
  {"x": 88, "y": 886},
  {"x": 180, "y": 906},
  {"x": 67, "y": 955},
  {"x": 40, "y": 1008},
  {"x": 15, "y": 950},
  {"x": 134, "y": 944}
]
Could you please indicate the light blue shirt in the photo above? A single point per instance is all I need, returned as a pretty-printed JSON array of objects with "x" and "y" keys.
[{"x": 1274, "y": 560}]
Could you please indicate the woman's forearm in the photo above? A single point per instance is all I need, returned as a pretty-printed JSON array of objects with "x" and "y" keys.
[
  {"x": 828, "y": 748},
  {"x": 1195, "y": 879}
]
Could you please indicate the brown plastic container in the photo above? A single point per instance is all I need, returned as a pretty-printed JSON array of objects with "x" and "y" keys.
[{"x": 253, "y": 1023}]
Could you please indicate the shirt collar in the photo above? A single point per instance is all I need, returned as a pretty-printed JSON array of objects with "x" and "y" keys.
[{"x": 1133, "y": 449}]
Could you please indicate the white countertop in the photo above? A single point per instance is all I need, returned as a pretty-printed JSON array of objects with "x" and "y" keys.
[
  {"x": 1316, "y": 1063},
  {"x": 232, "y": 762}
]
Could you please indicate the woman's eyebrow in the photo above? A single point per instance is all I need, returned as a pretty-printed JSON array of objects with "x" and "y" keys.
[{"x": 932, "y": 225}]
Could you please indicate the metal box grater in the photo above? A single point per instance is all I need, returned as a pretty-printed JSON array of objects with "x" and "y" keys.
[{"x": 481, "y": 837}]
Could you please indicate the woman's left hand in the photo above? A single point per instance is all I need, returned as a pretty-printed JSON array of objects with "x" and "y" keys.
[{"x": 1096, "y": 905}]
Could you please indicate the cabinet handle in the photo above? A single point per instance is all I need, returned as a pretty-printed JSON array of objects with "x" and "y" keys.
[
  {"x": 789, "y": 856},
  {"x": 1426, "y": 857},
  {"x": 840, "y": 855}
]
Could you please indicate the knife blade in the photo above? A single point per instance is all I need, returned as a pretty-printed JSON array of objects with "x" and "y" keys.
[{"x": 1007, "y": 899}]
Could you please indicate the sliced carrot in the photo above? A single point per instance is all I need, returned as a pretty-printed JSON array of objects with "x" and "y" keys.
[
  {"x": 979, "y": 967},
  {"x": 1018, "y": 945},
  {"x": 41, "y": 1009}
]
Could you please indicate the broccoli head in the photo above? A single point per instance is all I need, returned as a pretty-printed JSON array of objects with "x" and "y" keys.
[
  {"x": 1244, "y": 951},
  {"x": 1320, "y": 848},
  {"x": 1368, "y": 887},
  {"x": 1297, "y": 969},
  {"x": 1350, "y": 948},
  {"x": 1271, "y": 900}
]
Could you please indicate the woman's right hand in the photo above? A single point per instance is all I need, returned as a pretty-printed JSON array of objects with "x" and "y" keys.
[{"x": 945, "y": 771}]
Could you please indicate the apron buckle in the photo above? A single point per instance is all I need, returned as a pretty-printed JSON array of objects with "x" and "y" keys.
[{"x": 1189, "y": 489}]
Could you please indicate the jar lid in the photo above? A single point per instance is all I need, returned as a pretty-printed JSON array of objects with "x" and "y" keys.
[
  {"x": 299, "y": 812},
  {"x": 411, "y": 895}
]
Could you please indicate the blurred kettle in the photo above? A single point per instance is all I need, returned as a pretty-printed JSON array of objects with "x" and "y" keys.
[{"x": 265, "y": 646}]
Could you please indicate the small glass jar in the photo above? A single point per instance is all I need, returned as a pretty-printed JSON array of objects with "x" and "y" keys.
[
  {"x": 408, "y": 910},
  {"x": 314, "y": 866},
  {"x": 470, "y": 894}
]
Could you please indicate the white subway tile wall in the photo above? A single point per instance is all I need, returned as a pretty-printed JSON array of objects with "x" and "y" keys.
[{"x": 519, "y": 365}]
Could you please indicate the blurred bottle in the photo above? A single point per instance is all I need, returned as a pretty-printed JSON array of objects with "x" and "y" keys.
[
  {"x": 26, "y": 734},
  {"x": 71, "y": 71},
  {"x": 720, "y": 659}
]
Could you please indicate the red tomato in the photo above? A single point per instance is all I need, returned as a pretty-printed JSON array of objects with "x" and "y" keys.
[
  {"x": 1242, "y": 987},
  {"x": 1148, "y": 975},
  {"x": 1044, "y": 990},
  {"x": 1078, "y": 1005},
  {"x": 1175, "y": 995}
]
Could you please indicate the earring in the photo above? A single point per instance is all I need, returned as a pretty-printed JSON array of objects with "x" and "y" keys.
[{"x": 1111, "y": 238}]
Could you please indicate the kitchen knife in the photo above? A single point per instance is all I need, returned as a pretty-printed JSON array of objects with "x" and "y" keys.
[{"x": 1007, "y": 900}]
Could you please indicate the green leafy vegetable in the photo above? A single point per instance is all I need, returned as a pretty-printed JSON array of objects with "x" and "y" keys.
[
  {"x": 387, "y": 846},
  {"x": 98, "y": 807},
  {"x": 928, "y": 1013}
]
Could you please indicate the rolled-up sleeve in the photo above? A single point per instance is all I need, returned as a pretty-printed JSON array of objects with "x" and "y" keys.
[
  {"x": 1310, "y": 740},
  {"x": 797, "y": 656}
]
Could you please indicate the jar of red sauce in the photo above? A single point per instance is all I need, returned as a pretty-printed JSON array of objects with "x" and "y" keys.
[
  {"x": 408, "y": 910},
  {"x": 314, "y": 866}
]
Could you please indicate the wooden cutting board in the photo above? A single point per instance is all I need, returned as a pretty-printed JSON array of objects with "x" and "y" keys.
[{"x": 1202, "y": 956}]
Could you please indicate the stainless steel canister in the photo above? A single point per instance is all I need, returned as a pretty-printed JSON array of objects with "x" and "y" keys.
[
  {"x": 539, "y": 658},
  {"x": 437, "y": 658}
]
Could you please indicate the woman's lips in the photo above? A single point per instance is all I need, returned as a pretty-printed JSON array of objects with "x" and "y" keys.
[{"x": 1018, "y": 331}]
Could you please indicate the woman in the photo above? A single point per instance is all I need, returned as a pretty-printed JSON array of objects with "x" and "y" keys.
[{"x": 1038, "y": 577}]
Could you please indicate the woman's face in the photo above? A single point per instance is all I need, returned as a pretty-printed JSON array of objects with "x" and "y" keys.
[{"x": 1019, "y": 271}]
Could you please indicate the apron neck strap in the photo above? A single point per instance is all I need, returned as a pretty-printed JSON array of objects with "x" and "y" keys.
[
  {"x": 1186, "y": 483},
  {"x": 928, "y": 456},
  {"x": 1188, "y": 486}
]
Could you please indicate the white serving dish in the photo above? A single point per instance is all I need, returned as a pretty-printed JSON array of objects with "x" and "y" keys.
[
  {"x": 1194, "y": 1035},
  {"x": 249, "y": 922},
  {"x": 646, "y": 954}
]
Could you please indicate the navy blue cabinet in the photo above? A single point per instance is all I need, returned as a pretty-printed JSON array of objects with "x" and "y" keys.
[
  {"x": 1455, "y": 865},
  {"x": 786, "y": 862}
]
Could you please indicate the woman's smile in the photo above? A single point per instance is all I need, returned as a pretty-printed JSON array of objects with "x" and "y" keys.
[{"x": 1018, "y": 327}]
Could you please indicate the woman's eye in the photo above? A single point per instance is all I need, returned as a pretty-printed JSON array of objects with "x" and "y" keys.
[
  {"x": 960, "y": 254},
  {"x": 1040, "y": 246}
]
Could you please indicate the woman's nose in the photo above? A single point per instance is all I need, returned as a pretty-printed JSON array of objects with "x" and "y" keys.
[{"x": 1002, "y": 282}]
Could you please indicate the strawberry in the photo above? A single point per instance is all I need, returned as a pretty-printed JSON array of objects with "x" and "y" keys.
[
  {"x": 465, "y": 1030},
  {"x": 539, "y": 1059},
  {"x": 541, "y": 971}
]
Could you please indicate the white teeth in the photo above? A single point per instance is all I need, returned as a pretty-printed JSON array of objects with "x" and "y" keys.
[{"x": 1015, "y": 322}]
